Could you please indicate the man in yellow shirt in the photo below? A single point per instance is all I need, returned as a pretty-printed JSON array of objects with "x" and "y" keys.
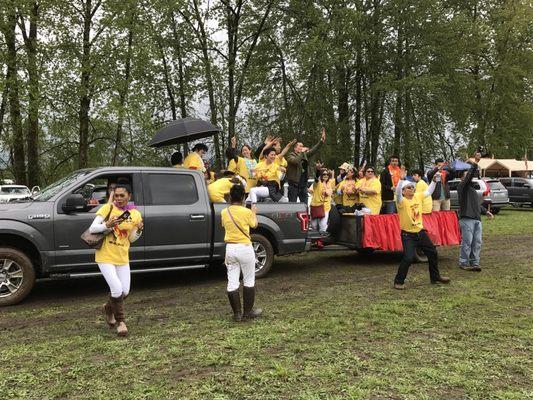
[
  {"x": 369, "y": 189},
  {"x": 421, "y": 187},
  {"x": 240, "y": 256},
  {"x": 409, "y": 205},
  {"x": 194, "y": 158}
]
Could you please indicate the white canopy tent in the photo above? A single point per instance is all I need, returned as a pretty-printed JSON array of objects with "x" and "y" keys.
[{"x": 493, "y": 167}]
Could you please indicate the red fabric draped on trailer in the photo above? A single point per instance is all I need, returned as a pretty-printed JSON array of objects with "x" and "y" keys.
[{"x": 383, "y": 231}]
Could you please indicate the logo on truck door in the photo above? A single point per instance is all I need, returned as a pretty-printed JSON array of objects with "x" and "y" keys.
[{"x": 39, "y": 216}]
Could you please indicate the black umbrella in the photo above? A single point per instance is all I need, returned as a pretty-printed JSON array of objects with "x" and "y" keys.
[{"x": 182, "y": 131}]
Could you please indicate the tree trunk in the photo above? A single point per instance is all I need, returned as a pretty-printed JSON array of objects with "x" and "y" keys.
[
  {"x": 168, "y": 83},
  {"x": 209, "y": 80},
  {"x": 343, "y": 124},
  {"x": 3, "y": 106},
  {"x": 19, "y": 168},
  {"x": 358, "y": 100},
  {"x": 123, "y": 92},
  {"x": 32, "y": 139},
  {"x": 85, "y": 81}
]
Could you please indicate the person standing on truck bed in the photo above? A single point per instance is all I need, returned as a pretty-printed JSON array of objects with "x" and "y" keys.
[
  {"x": 297, "y": 169},
  {"x": 441, "y": 195},
  {"x": 347, "y": 191},
  {"x": 123, "y": 225},
  {"x": 470, "y": 211},
  {"x": 369, "y": 189},
  {"x": 267, "y": 174},
  {"x": 194, "y": 159},
  {"x": 421, "y": 186},
  {"x": 243, "y": 165},
  {"x": 409, "y": 205},
  {"x": 240, "y": 256},
  {"x": 389, "y": 178}
]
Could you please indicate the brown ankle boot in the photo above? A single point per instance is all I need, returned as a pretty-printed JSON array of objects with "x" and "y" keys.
[
  {"x": 235, "y": 302},
  {"x": 108, "y": 313},
  {"x": 118, "y": 309},
  {"x": 442, "y": 279},
  {"x": 248, "y": 299}
]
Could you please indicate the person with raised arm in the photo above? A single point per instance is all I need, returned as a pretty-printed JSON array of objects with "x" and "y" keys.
[
  {"x": 297, "y": 169},
  {"x": 414, "y": 236},
  {"x": 470, "y": 211},
  {"x": 242, "y": 165}
]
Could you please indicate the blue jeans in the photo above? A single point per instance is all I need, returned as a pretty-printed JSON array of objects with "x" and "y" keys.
[
  {"x": 470, "y": 241},
  {"x": 389, "y": 207}
]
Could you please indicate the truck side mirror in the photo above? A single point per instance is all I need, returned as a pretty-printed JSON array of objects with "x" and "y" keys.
[
  {"x": 74, "y": 202},
  {"x": 35, "y": 190}
]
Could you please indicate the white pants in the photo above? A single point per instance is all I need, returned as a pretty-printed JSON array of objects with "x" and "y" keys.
[
  {"x": 320, "y": 224},
  {"x": 259, "y": 192},
  {"x": 240, "y": 257},
  {"x": 117, "y": 277}
]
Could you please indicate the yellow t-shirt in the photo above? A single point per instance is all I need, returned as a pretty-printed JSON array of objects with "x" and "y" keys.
[
  {"x": 281, "y": 163},
  {"x": 348, "y": 199},
  {"x": 218, "y": 189},
  {"x": 244, "y": 217},
  {"x": 240, "y": 169},
  {"x": 410, "y": 213},
  {"x": 265, "y": 172},
  {"x": 371, "y": 201},
  {"x": 320, "y": 197},
  {"x": 427, "y": 203},
  {"x": 194, "y": 161},
  {"x": 116, "y": 245}
]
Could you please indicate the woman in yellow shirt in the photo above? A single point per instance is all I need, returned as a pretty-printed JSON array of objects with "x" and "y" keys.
[
  {"x": 243, "y": 165},
  {"x": 219, "y": 189},
  {"x": 268, "y": 184},
  {"x": 347, "y": 188},
  {"x": 369, "y": 189},
  {"x": 240, "y": 256},
  {"x": 123, "y": 225},
  {"x": 321, "y": 198}
]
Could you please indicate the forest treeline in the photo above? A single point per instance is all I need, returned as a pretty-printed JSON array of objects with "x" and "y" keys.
[{"x": 85, "y": 83}]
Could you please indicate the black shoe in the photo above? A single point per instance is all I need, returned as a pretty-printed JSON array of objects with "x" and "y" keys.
[
  {"x": 235, "y": 302},
  {"x": 248, "y": 299}
]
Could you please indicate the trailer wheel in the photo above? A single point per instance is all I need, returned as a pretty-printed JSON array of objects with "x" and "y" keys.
[
  {"x": 264, "y": 255},
  {"x": 17, "y": 276},
  {"x": 420, "y": 257}
]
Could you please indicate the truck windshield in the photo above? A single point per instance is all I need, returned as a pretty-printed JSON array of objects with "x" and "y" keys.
[{"x": 50, "y": 191}]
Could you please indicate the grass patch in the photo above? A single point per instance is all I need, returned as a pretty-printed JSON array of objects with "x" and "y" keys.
[{"x": 333, "y": 329}]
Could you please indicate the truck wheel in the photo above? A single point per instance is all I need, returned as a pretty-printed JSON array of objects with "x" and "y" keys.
[
  {"x": 420, "y": 257},
  {"x": 17, "y": 276},
  {"x": 264, "y": 255}
]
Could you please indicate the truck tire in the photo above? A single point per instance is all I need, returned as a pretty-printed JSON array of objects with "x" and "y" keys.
[
  {"x": 264, "y": 255},
  {"x": 17, "y": 276},
  {"x": 420, "y": 257}
]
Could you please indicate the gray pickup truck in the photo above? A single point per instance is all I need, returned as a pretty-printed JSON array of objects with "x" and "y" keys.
[{"x": 40, "y": 237}]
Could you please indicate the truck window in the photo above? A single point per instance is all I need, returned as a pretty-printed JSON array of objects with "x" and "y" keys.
[
  {"x": 519, "y": 182},
  {"x": 96, "y": 193},
  {"x": 171, "y": 189}
]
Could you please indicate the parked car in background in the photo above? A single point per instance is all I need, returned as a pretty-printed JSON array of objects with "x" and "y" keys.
[
  {"x": 492, "y": 194},
  {"x": 520, "y": 190},
  {"x": 13, "y": 192}
]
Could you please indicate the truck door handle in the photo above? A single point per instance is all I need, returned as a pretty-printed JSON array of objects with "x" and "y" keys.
[{"x": 197, "y": 217}]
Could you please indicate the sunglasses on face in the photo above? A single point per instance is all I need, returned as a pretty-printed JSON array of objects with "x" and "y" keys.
[{"x": 370, "y": 172}]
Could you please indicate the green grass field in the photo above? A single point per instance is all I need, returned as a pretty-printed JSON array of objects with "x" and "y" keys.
[{"x": 333, "y": 328}]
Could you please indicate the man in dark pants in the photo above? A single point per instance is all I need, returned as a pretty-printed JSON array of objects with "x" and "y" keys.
[
  {"x": 409, "y": 205},
  {"x": 297, "y": 166},
  {"x": 470, "y": 210},
  {"x": 389, "y": 178}
]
